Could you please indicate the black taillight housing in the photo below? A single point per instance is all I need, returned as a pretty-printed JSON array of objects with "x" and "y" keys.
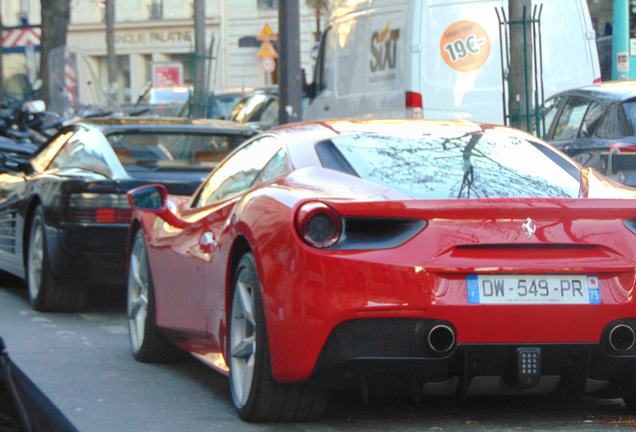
[
  {"x": 322, "y": 227},
  {"x": 318, "y": 225},
  {"x": 96, "y": 208}
]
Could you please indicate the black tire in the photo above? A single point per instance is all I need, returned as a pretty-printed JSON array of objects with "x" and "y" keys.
[
  {"x": 256, "y": 395},
  {"x": 147, "y": 342},
  {"x": 630, "y": 403},
  {"x": 46, "y": 292}
]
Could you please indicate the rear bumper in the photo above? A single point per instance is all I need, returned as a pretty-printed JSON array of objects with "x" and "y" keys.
[
  {"x": 92, "y": 255},
  {"x": 395, "y": 353}
]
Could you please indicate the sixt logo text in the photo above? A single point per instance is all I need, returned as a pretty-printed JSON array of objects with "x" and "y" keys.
[{"x": 384, "y": 49}]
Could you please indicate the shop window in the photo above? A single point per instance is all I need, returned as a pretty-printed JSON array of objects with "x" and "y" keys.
[
  {"x": 267, "y": 4},
  {"x": 189, "y": 67},
  {"x": 155, "y": 10}
]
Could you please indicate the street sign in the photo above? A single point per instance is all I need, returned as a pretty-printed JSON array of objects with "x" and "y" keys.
[
  {"x": 17, "y": 39},
  {"x": 267, "y": 33},
  {"x": 169, "y": 74},
  {"x": 267, "y": 50},
  {"x": 268, "y": 64}
]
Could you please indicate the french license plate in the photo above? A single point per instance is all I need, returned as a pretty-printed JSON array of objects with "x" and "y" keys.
[{"x": 533, "y": 289}]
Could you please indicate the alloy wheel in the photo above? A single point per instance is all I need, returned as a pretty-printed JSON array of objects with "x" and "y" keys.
[
  {"x": 36, "y": 259},
  {"x": 138, "y": 294},
  {"x": 242, "y": 341}
]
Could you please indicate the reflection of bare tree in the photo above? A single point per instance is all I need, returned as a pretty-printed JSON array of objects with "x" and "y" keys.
[{"x": 464, "y": 166}]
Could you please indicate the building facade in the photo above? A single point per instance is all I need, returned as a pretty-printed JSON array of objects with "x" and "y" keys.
[{"x": 154, "y": 41}]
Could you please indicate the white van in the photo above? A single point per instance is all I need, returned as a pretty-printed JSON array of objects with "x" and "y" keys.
[{"x": 439, "y": 59}]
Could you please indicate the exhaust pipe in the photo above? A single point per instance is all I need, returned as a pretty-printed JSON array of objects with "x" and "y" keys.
[
  {"x": 441, "y": 338},
  {"x": 622, "y": 338}
]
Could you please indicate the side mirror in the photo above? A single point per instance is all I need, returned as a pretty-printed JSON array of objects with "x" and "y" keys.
[
  {"x": 34, "y": 106},
  {"x": 37, "y": 84},
  {"x": 148, "y": 198},
  {"x": 154, "y": 199}
]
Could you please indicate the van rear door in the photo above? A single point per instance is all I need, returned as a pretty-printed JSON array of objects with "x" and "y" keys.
[{"x": 461, "y": 61}]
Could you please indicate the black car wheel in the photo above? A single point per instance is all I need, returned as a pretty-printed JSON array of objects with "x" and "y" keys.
[
  {"x": 46, "y": 292},
  {"x": 256, "y": 395},
  {"x": 147, "y": 342}
]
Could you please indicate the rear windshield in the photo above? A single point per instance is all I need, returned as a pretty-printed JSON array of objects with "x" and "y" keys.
[
  {"x": 172, "y": 149},
  {"x": 441, "y": 166}
]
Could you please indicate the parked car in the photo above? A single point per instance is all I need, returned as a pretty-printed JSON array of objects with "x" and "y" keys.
[
  {"x": 224, "y": 100},
  {"x": 23, "y": 406},
  {"x": 64, "y": 214},
  {"x": 161, "y": 101},
  {"x": 259, "y": 109},
  {"x": 441, "y": 257},
  {"x": 596, "y": 126}
]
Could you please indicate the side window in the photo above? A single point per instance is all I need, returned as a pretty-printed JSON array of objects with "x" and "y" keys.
[
  {"x": 277, "y": 166},
  {"x": 42, "y": 160},
  {"x": 238, "y": 172},
  {"x": 69, "y": 151},
  {"x": 83, "y": 151},
  {"x": 592, "y": 119},
  {"x": 569, "y": 122},
  {"x": 608, "y": 127},
  {"x": 627, "y": 117},
  {"x": 550, "y": 109}
]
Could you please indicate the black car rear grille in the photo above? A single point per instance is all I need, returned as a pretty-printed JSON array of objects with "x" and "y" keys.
[{"x": 8, "y": 231}]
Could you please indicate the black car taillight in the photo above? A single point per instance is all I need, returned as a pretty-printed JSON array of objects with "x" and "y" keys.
[
  {"x": 93, "y": 208},
  {"x": 318, "y": 225}
]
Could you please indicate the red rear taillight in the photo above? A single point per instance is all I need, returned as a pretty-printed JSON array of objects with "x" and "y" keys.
[
  {"x": 597, "y": 81},
  {"x": 413, "y": 100},
  {"x": 318, "y": 225},
  {"x": 623, "y": 147},
  {"x": 414, "y": 107},
  {"x": 91, "y": 208}
]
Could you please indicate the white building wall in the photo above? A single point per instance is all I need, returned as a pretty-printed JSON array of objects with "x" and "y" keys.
[
  {"x": 11, "y": 11},
  {"x": 143, "y": 40}
]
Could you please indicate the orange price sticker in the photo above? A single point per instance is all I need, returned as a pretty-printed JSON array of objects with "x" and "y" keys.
[{"x": 465, "y": 46}]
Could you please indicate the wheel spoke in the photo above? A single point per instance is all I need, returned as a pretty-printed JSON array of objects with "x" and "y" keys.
[
  {"x": 138, "y": 306},
  {"x": 244, "y": 348},
  {"x": 246, "y": 301},
  {"x": 248, "y": 375},
  {"x": 139, "y": 320},
  {"x": 138, "y": 270},
  {"x": 138, "y": 280}
]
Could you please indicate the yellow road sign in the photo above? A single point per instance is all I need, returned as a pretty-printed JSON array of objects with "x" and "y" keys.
[
  {"x": 267, "y": 50},
  {"x": 267, "y": 33}
]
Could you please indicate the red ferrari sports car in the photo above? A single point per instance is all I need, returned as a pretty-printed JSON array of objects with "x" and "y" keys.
[{"x": 451, "y": 257}]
